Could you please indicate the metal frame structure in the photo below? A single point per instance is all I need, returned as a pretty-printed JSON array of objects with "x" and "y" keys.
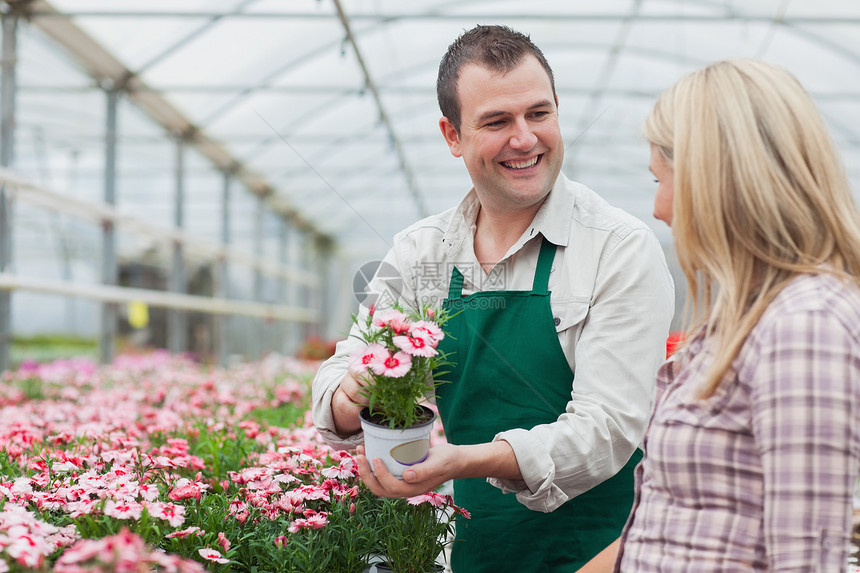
[
  {"x": 116, "y": 79},
  {"x": 111, "y": 295}
]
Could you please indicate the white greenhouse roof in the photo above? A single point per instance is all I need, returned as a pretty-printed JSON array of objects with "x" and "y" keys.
[{"x": 329, "y": 108}]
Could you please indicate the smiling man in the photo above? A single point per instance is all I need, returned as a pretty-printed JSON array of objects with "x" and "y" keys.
[{"x": 561, "y": 308}]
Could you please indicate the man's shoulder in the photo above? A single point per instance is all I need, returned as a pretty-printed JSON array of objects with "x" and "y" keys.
[
  {"x": 424, "y": 239},
  {"x": 591, "y": 211},
  {"x": 428, "y": 228}
]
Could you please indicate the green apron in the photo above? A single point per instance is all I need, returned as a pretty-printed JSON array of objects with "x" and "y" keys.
[{"x": 509, "y": 371}]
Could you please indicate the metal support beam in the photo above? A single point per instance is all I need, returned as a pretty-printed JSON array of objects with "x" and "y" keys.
[
  {"x": 109, "y": 266},
  {"x": 177, "y": 320},
  {"x": 283, "y": 254},
  {"x": 319, "y": 295},
  {"x": 590, "y": 112},
  {"x": 308, "y": 257},
  {"x": 101, "y": 65},
  {"x": 294, "y": 330},
  {"x": 222, "y": 284},
  {"x": 383, "y": 114},
  {"x": 258, "y": 346},
  {"x": 459, "y": 16},
  {"x": 7, "y": 155}
]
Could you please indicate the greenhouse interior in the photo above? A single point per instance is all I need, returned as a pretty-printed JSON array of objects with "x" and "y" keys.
[{"x": 194, "y": 197}]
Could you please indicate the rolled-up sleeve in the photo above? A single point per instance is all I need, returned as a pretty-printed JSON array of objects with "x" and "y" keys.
[
  {"x": 326, "y": 381},
  {"x": 617, "y": 350}
]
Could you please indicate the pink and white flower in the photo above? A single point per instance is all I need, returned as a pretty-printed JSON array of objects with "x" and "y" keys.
[
  {"x": 223, "y": 541},
  {"x": 392, "y": 318},
  {"x": 148, "y": 492},
  {"x": 370, "y": 354},
  {"x": 187, "y": 489},
  {"x": 315, "y": 521},
  {"x": 433, "y": 498},
  {"x": 344, "y": 470},
  {"x": 415, "y": 346},
  {"x": 123, "y": 509},
  {"x": 392, "y": 366},
  {"x": 429, "y": 331},
  {"x": 193, "y": 530},
  {"x": 212, "y": 555},
  {"x": 172, "y": 513}
]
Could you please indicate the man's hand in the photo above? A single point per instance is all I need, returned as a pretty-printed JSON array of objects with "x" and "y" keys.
[
  {"x": 346, "y": 403},
  {"x": 439, "y": 467}
]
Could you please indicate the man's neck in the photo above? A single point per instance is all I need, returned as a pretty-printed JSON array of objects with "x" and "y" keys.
[{"x": 496, "y": 233}]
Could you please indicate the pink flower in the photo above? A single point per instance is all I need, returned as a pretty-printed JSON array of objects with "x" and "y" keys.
[
  {"x": 362, "y": 359},
  {"x": 22, "y": 486},
  {"x": 237, "y": 506},
  {"x": 123, "y": 509},
  {"x": 169, "y": 512},
  {"x": 223, "y": 541},
  {"x": 457, "y": 509},
  {"x": 27, "y": 549},
  {"x": 281, "y": 541},
  {"x": 416, "y": 346},
  {"x": 315, "y": 521},
  {"x": 79, "y": 508},
  {"x": 193, "y": 530},
  {"x": 187, "y": 489},
  {"x": 346, "y": 469},
  {"x": 429, "y": 331},
  {"x": 173, "y": 563},
  {"x": 212, "y": 555},
  {"x": 318, "y": 520},
  {"x": 434, "y": 499},
  {"x": 394, "y": 319},
  {"x": 63, "y": 467},
  {"x": 148, "y": 492},
  {"x": 91, "y": 549},
  {"x": 394, "y": 366}
]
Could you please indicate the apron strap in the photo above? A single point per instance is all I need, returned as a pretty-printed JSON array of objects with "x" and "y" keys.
[
  {"x": 544, "y": 266},
  {"x": 455, "y": 289}
]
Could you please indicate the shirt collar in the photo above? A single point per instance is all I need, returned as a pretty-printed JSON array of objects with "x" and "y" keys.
[{"x": 552, "y": 220}]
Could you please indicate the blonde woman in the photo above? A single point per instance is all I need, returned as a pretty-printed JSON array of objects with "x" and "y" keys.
[{"x": 753, "y": 448}]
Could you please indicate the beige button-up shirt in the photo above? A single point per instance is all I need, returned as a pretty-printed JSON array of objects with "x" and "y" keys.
[{"x": 612, "y": 300}]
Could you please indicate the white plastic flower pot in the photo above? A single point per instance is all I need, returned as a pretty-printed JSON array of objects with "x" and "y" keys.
[{"x": 397, "y": 448}]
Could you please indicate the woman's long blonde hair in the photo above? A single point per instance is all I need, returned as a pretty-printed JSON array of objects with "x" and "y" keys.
[{"x": 760, "y": 196}]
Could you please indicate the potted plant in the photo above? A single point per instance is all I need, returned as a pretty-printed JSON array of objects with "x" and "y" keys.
[
  {"x": 397, "y": 362},
  {"x": 413, "y": 532}
]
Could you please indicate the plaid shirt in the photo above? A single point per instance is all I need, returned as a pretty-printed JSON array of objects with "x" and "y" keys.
[{"x": 760, "y": 476}]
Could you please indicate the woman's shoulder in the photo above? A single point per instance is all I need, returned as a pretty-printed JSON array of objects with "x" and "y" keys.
[
  {"x": 825, "y": 294},
  {"x": 821, "y": 291}
]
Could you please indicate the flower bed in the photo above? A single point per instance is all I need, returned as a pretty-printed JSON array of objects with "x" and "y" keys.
[{"x": 155, "y": 464}]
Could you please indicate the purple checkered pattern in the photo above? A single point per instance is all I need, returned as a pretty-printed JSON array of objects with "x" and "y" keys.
[{"x": 760, "y": 476}]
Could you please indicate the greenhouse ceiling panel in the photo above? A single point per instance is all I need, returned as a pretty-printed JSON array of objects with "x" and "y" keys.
[{"x": 328, "y": 107}]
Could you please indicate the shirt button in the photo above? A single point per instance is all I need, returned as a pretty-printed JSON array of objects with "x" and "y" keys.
[{"x": 556, "y": 320}]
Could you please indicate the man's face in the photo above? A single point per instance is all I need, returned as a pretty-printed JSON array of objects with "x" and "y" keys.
[{"x": 509, "y": 136}]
